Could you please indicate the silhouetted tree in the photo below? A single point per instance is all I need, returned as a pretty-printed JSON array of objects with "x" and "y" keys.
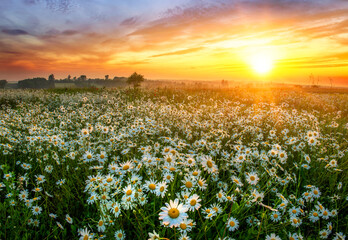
[
  {"x": 3, "y": 83},
  {"x": 36, "y": 83},
  {"x": 106, "y": 77},
  {"x": 69, "y": 77},
  {"x": 135, "y": 79},
  {"x": 51, "y": 81},
  {"x": 83, "y": 78}
]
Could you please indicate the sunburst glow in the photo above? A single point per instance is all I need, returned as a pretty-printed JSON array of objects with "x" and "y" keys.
[{"x": 261, "y": 63}]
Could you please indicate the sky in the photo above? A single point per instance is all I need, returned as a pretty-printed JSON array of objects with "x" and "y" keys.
[{"x": 181, "y": 39}]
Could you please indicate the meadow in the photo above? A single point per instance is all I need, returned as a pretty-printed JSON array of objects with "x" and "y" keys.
[{"x": 173, "y": 164}]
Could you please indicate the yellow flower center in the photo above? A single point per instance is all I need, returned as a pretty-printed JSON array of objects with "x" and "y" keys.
[
  {"x": 152, "y": 186},
  {"x": 129, "y": 192},
  {"x": 188, "y": 184},
  {"x": 161, "y": 189},
  {"x": 193, "y": 202},
  {"x": 183, "y": 226},
  {"x": 195, "y": 173},
  {"x": 173, "y": 213},
  {"x": 232, "y": 224},
  {"x": 125, "y": 167},
  {"x": 252, "y": 178},
  {"x": 209, "y": 164},
  {"x": 119, "y": 235},
  {"x": 100, "y": 223}
]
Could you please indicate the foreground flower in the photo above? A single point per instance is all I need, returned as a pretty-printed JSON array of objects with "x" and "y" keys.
[
  {"x": 232, "y": 224},
  {"x": 173, "y": 214},
  {"x": 272, "y": 237},
  {"x": 120, "y": 235}
]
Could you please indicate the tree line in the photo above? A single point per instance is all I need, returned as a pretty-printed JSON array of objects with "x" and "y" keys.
[{"x": 82, "y": 81}]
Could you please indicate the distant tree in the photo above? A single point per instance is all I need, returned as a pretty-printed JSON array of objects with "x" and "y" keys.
[
  {"x": 135, "y": 79},
  {"x": 36, "y": 83},
  {"x": 106, "y": 77},
  {"x": 3, "y": 83},
  {"x": 69, "y": 77},
  {"x": 74, "y": 78},
  {"x": 331, "y": 81},
  {"x": 51, "y": 81},
  {"x": 82, "y": 78}
]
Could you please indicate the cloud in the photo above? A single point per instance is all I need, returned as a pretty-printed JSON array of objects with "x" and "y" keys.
[
  {"x": 179, "y": 52},
  {"x": 70, "y": 32},
  {"x": 14, "y": 32},
  {"x": 129, "y": 21}
]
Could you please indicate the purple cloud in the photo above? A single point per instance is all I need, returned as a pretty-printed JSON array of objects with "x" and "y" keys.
[{"x": 14, "y": 32}]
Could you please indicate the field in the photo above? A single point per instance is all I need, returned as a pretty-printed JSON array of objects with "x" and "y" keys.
[{"x": 173, "y": 164}]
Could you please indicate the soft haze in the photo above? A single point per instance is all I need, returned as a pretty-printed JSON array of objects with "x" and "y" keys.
[{"x": 181, "y": 39}]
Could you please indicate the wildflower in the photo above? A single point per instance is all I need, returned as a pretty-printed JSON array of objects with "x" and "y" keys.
[
  {"x": 23, "y": 194},
  {"x": 232, "y": 224},
  {"x": 186, "y": 225},
  {"x": 324, "y": 234},
  {"x": 202, "y": 185},
  {"x": 68, "y": 219},
  {"x": 193, "y": 202},
  {"x": 49, "y": 168},
  {"x": 37, "y": 189},
  {"x": 162, "y": 189},
  {"x": 115, "y": 209},
  {"x": 36, "y": 210},
  {"x": 252, "y": 178},
  {"x": 150, "y": 185},
  {"x": 314, "y": 215},
  {"x": 84, "y": 234},
  {"x": 208, "y": 164},
  {"x": 120, "y": 235},
  {"x": 60, "y": 225},
  {"x": 40, "y": 179},
  {"x": 295, "y": 221},
  {"x": 173, "y": 214},
  {"x": 36, "y": 222},
  {"x": 154, "y": 236},
  {"x": 275, "y": 216},
  {"x": 273, "y": 236},
  {"x": 101, "y": 225},
  {"x": 7, "y": 176},
  {"x": 325, "y": 214},
  {"x": 60, "y": 182},
  {"x": 293, "y": 236}
]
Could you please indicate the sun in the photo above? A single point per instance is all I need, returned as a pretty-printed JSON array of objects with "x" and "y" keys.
[{"x": 261, "y": 63}]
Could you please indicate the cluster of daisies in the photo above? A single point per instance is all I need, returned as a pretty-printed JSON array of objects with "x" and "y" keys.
[{"x": 173, "y": 165}]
